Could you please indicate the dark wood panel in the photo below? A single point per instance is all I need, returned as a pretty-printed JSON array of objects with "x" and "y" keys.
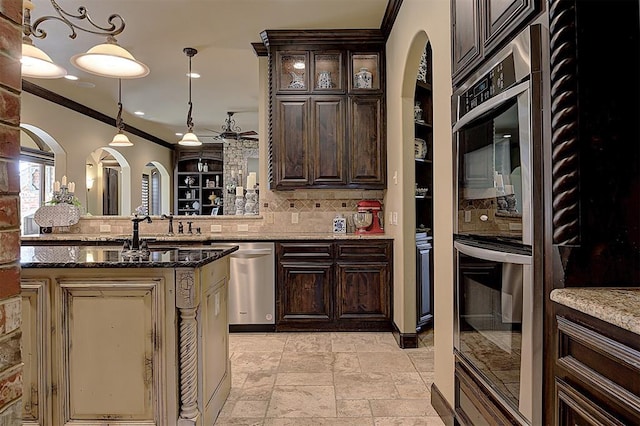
[
  {"x": 503, "y": 18},
  {"x": 292, "y": 150},
  {"x": 474, "y": 404},
  {"x": 329, "y": 156},
  {"x": 364, "y": 250},
  {"x": 366, "y": 141},
  {"x": 577, "y": 410},
  {"x": 305, "y": 250},
  {"x": 305, "y": 291},
  {"x": 465, "y": 35},
  {"x": 363, "y": 291}
]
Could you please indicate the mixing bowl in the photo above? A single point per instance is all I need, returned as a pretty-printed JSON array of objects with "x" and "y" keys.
[{"x": 362, "y": 220}]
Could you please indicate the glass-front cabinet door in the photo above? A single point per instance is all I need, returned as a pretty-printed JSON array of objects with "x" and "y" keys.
[
  {"x": 365, "y": 69},
  {"x": 328, "y": 71},
  {"x": 292, "y": 71}
]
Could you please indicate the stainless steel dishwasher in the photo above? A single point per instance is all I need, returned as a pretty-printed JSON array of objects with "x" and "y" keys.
[{"x": 252, "y": 287}]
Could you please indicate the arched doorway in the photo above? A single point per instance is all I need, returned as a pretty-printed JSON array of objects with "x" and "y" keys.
[
  {"x": 110, "y": 174},
  {"x": 418, "y": 146}
]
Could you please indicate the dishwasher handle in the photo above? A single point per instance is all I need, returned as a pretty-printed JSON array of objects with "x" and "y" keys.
[{"x": 249, "y": 254}]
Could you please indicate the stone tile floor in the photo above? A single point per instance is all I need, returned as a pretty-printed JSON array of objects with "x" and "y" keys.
[{"x": 352, "y": 379}]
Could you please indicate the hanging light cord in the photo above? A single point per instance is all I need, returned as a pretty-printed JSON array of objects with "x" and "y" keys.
[
  {"x": 190, "y": 52},
  {"x": 119, "y": 121}
]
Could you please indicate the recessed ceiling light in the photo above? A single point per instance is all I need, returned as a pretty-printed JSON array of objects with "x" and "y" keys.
[
  {"x": 506, "y": 136},
  {"x": 193, "y": 75},
  {"x": 140, "y": 113},
  {"x": 71, "y": 77},
  {"x": 179, "y": 134}
]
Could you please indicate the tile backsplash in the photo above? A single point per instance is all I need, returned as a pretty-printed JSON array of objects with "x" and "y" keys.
[{"x": 315, "y": 210}]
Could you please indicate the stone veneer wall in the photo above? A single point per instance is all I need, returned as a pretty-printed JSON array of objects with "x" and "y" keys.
[
  {"x": 10, "y": 301},
  {"x": 236, "y": 155}
]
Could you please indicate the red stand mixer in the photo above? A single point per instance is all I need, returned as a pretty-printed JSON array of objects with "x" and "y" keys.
[{"x": 367, "y": 219}]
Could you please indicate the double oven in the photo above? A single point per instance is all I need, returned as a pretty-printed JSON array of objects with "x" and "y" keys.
[{"x": 496, "y": 133}]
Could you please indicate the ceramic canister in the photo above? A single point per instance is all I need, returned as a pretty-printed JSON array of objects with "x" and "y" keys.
[
  {"x": 324, "y": 80},
  {"x": 362, "y": 79}
]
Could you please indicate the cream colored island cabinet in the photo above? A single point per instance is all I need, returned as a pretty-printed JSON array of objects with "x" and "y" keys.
[{"x": 134, "y": 340}]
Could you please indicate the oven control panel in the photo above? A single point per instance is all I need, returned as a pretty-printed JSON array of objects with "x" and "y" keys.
[{"x": 496, "y": 81}]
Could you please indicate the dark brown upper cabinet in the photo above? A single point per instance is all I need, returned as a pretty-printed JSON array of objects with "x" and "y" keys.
[
  {"x": 326, "y": 91},
  {"x": 479, "y": 28}
]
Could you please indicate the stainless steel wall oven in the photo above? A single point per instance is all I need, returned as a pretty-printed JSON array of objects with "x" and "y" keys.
[{"x": 496, "y": 337}]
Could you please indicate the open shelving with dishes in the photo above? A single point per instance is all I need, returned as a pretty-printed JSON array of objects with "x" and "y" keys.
[
  {"x": 199, "y": 186},
  {"x": 423, "y": 120}
]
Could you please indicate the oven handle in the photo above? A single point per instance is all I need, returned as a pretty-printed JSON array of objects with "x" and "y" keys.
[
  {"x": 490, "y": 104},
  {"x": 492, "y": 255}
]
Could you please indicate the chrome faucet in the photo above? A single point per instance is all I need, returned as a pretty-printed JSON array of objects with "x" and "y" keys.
[
  {"x": 170, "y": 217},
  {"x": 135, "y": 239}
]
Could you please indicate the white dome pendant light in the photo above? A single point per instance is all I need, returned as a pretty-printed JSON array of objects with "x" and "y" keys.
[
  {"x": 110, "y": 60},
  {"x": 120, "y": 139},
  {"x": 189, "y": 138}
]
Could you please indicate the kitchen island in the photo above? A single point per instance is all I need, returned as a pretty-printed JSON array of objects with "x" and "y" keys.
[{"x": 124, "y": 338}]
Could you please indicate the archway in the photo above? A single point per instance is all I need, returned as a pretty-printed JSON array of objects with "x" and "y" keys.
[
  {"x": 165, "y": 186},
  {"x": 415, "y": 295},
  {"x": 99, "y": 163}
]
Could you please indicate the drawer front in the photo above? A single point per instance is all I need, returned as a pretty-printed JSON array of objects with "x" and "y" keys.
[
  {"x": 607, "y": 369},
  {"x": 370, "y": 251},
  {"x": 307, "y": 250}
]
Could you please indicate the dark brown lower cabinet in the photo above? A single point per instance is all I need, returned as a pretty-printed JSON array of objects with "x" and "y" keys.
[
  {"x": 597, "y": 372},
  {"x": 307, "y": 295},
  {"x": 334, "y": 285}
]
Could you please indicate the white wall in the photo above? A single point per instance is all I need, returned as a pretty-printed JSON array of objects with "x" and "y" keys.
[
  {"x": 79, "y": 135},
  {"x": 417, "y": 21}
]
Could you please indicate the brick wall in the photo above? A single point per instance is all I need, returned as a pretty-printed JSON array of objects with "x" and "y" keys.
[{"x": 10, "y": 303}]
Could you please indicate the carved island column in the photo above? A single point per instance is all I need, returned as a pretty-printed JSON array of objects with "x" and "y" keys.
[{"x": 187, "y": 302}]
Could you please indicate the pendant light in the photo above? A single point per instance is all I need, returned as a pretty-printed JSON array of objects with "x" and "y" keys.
[
  {"x": 120, "y": 139},
  {"x": 189, "y": 138},
  {"x": 110, "y": 60}
]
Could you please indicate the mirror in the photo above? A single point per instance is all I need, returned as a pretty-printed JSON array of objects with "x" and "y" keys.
[{"x": 240, "y": 159}]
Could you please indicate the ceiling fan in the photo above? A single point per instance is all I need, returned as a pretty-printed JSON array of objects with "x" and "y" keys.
[{"x": 231, "y": 131}]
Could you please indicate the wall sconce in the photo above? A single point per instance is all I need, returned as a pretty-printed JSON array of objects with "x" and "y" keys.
[
  {"x": 89, "y": 186},
  {"x": 106, "y": 60}
]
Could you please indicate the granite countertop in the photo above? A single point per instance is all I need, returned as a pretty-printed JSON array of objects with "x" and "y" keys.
[
  {"x": 619, "y": 306},
  {"x": 69, "y": 256},
  {"x": 119, "y": 238}
]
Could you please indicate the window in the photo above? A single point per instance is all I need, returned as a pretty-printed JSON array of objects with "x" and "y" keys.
[
  {"x": 37, "y": 174},
  {"x": 145, "y": 193}
]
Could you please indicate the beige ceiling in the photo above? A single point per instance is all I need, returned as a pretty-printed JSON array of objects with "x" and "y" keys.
[{"x": 156, "y": 33}]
